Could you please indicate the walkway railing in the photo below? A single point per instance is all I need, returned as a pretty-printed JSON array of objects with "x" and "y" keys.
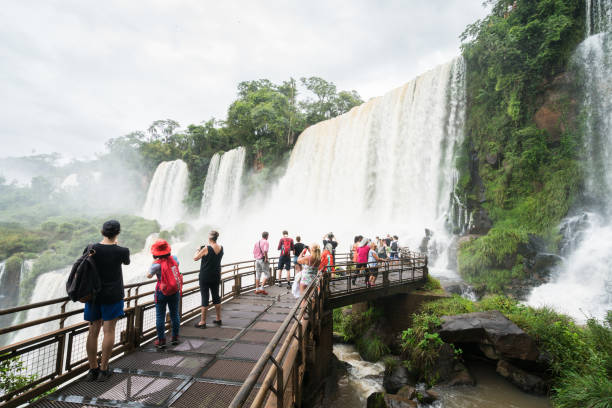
[{"x": 46, "y": 361}]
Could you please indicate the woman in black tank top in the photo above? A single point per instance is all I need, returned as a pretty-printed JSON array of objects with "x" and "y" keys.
[{"x": 210, "y": 277}]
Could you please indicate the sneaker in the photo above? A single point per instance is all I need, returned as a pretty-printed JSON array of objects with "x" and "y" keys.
[
  {"x": 263, "y": 292},
  {"x": 160, "y": 343},
  {"x": 175, "y": 340},
  {"x": 288, "y": 285},
  {"x": 104, "y": 375},
  {"x": 92, "y": 375},
  {"x": 257, "y": 291},
  {"x": 217, "y": 322}
]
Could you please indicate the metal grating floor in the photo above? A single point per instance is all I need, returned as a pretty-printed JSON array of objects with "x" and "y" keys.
[
  {"x": 128, "y": 387},
  {"x": 205, "y": 370},
  {"x": 270, "y": 326},
  {"x": 245, "y": 350},
  {"x": 208, "y": 395},
  {"x": 163, "y": 362}
]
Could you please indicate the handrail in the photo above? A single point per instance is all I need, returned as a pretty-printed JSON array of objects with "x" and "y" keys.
[{"x": 63, "y": 348}]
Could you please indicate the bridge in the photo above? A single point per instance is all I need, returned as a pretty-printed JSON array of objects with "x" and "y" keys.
[{"x": 269, "y": 349}]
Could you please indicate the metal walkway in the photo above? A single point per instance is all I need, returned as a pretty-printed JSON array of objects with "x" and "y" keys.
[
  {"x": 258, "y": 358},
  {"x": 207, "y": 368}
]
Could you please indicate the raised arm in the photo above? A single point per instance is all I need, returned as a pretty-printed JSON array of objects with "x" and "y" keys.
[{"x": 200, "y": 253}]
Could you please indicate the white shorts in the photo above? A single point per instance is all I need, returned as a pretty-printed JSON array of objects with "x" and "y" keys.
[{"x": 262, "y": 269}]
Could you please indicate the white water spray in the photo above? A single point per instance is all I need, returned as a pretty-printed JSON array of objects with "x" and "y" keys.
[
  {"x": 166, "y": 193},
  {"x": 582, "y": 286}
]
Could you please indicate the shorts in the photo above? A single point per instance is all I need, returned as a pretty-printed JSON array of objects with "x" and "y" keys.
[
  {"x": 262, "y": 269},
  {"x": 294, "y": 260},
  {"x": 213, "y": 288},
  {"x": 106, "y": 311},
  {"x": 284, "y": 262}
]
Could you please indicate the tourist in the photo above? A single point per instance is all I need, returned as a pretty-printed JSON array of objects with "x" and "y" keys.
[
  {"x": 394, "y": 248},
  {"x": 285, "y": 246},
  {"x": 382, "y": 249},
  {"x": 373, "y": 260},
  {"x": 298, "y": 247},
  {"x": 310, "y": 258},
  {"x": 362, "y": 256},
  {"x": 388, "y": 240},
  {"x": 262, "y": 265},
  {"x": 330, "y": 239},
  {"x": 210, "y": 277},
  {"x": 327, "y": 261},
  {"x": 355, "y": 253},
  {"x": 107, "y": 306},
  {"x": 165, "y": 263}
]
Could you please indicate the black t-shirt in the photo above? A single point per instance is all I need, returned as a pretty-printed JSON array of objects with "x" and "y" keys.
[
  {"x": 387, "y": 241},
  {"x": 210, "y": 266},
  {"x": 298, "y": 247},
  {"x": 108, "y": 259}
]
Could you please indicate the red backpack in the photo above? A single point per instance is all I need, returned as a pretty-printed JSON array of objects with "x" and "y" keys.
[
  {"x": 171, "y": 280},
  {"x": 286, "y": 248}
]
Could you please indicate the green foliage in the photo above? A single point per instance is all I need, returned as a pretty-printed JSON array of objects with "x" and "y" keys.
[
  {"x": 11, "y": 378},
  {"x": 432, "y": 284},
  {"x": 371, "y": 347},
  {"x": 492, "y": 260},
  {"x": 512, "y": 57}
]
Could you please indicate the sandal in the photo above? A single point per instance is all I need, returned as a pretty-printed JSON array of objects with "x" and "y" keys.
[{"x": 199, "y": 326}]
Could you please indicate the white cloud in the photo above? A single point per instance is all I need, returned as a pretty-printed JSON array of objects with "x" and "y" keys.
[{"x": 76, "y": 73}]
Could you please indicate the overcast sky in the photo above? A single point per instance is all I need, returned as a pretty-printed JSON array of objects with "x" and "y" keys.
[{"x": 74, "y": 73}]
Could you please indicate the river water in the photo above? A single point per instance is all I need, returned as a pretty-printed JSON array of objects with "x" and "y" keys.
[{"x": 491, "y": 390}]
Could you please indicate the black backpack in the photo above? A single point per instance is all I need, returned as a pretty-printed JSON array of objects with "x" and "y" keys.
[
  {"x": 84, "y": 282},
  {"x": 394, "y": 246}
]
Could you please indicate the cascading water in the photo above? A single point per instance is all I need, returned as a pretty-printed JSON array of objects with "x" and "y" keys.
[
  {"x": 223, "y": 185},
  {"x": 166, "y": 193},
  {"x": 582, "y": 287},
  {"x": 385, "y": 166},
  {"x": 209, "y": 184}
]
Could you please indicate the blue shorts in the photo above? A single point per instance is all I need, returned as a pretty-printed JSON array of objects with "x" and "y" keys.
[
  {"x": 106, "y": 312},
  {"x": 284, "y": 262}
]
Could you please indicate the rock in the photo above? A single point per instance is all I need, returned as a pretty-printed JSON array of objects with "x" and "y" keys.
[
  {"x": 407, "y": 391},
  {"x": 395, "y": 379},
  {"x": 376, "y": 400},
  {"x": 521, "y": 378},
  {"x": 489, "y": 351},
  {"x": 461, "y": 377},
  {"x": 396, "y": 401},
  {"x": 429, "y": 396},
  {"x": 491, "y": 328},
  {"x": 444, "y": 362}
]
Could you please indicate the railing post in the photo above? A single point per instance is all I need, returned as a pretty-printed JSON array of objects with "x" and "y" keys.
[
  {"x": 280, "y": 387},
  {"x": 138, "y": 325},
  {"x": 61, "y": 347},
  {"x": 386, "y": 274},
  {"x": 63, "y": 311},
  {"x": 236, "y": 287}
]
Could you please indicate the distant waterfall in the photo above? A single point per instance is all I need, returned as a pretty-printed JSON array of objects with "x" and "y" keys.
[
  {"x": 223, "y": 185},
  {"x": 387, "y": 164},
  {"x": 582, "y": 286},
  {"x": 166, "y": 193}
]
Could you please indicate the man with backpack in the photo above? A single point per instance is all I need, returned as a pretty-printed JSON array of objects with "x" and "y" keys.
[
  {"x": 285, "y": 246},
  {"x": 394, "y": 248},
  {"x": 168, "y": 291},
  {"x": 106, "y": 307}
]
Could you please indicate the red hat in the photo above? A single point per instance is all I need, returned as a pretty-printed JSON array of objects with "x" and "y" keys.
[{"x": 160, "y": 247}]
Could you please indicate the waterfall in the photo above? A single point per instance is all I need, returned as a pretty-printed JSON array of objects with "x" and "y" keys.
[
  {"x": 223, "y": 185},
  {"x": 166, "y": 193},
  {"x": 582, "y": 285},
  {"x": 387, "y": 164},
  {"x": 209, "y": 184}
]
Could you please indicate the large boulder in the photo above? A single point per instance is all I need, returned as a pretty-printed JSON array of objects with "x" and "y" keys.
[
  {"x": 491, "y": 328},
  {"x": 395, "y": 378},
  {"x": 376, "y": 400},
  {"x": 525, "y": 381}
]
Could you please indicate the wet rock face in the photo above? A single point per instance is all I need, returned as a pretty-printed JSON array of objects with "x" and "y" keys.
[
  {"x": 527, "y": 382},
  {"x": 396, "y": 379},
  {"x": 490, "y": 328}
]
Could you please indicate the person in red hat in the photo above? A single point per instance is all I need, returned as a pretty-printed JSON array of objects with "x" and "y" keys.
[{"x": 168, "y": 290}]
